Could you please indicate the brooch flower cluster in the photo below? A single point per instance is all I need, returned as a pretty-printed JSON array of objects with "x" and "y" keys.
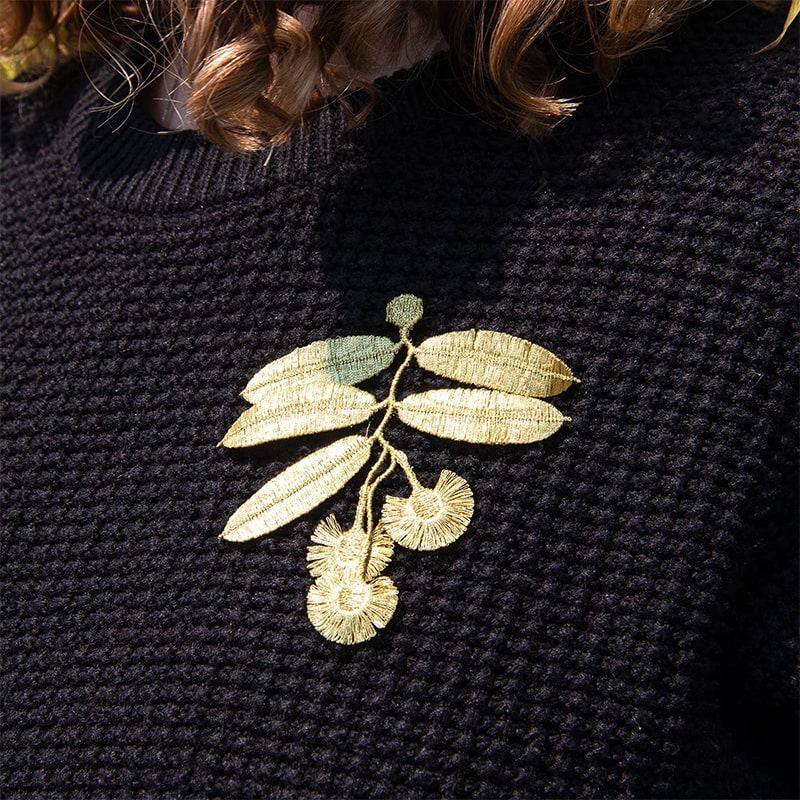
[{"x": 313, "y": 389}]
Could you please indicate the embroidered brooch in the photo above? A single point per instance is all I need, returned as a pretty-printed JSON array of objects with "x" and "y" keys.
[{"x": 312, "y": 389}]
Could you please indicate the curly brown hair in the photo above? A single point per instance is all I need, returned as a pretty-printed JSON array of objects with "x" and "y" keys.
[{"x": 255, "y": 70}]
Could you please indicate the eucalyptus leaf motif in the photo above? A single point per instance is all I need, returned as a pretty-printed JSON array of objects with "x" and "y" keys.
[
  {"x": 496, "y": 361},
  {"x": 298, "y": 489},
  {"x": 311, "y": 390},
  {"x": 480, "y": 416},
  {"x": 288, "y": 411},
  {"x": 344, "y": 360}
]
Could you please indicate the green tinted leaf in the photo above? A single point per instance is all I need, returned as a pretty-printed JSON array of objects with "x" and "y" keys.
[{"x": 344, "y": 360}]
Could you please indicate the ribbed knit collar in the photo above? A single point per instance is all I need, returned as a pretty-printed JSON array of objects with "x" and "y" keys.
[{"x": 124, "y": 160}]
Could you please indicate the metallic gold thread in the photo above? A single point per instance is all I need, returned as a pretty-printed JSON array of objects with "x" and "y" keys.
[{"x": 311, "y": 390}]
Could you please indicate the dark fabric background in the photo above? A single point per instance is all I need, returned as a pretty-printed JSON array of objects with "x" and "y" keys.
[{"x": 620, "y": 618}]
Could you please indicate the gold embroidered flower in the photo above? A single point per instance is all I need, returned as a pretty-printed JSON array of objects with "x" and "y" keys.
[
  {"x": 338, "y": 553},
  {"x": 430, "y": 518},
  {"x": 350, "y": 610}
]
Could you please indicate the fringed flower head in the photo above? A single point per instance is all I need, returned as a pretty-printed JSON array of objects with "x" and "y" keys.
[
  {"x": 430, "y": 518},
  {"x": 350, "y": 610},
  {"x": 339, "y": 553}
]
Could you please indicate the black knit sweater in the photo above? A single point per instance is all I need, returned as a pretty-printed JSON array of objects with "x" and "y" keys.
[{"x": 620, "y": 617}]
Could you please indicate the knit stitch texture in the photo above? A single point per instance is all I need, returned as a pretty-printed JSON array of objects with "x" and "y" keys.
[{"x": 619, "y": 620}]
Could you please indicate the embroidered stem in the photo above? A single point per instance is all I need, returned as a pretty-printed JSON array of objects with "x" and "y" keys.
[
  {"x": 405, "y": 465},
  {"x": 363, "y": 514},
  {"x": 366, "y": 552},
  {"x": 371, "y": 492},
  {"x": 391, "y": 400}
]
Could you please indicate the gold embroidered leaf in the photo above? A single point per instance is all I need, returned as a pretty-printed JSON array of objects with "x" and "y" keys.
[
  {"x": 298, "y": 489},
  {"x": 497, "y": 361},
  {"x": 295, "y": 410},
  {"x": 480, "y": 416},
  {"x": 344, "y": 360}
]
